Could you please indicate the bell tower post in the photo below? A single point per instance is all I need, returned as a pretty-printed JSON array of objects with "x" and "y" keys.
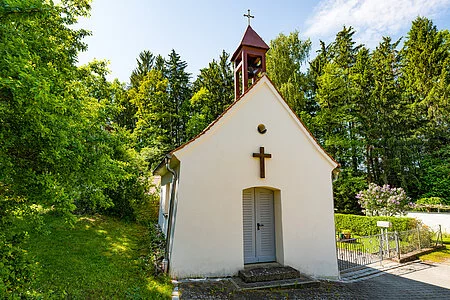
[{"x": 249, "y": 60}]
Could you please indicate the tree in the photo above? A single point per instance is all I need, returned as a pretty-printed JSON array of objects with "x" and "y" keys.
[
  {"x": 145, "y": 64},
  {"x": 45, "y": 112},
  {"x": 126, "y": 115},
  {"x": 435, "y": 180},
  {"x": 425, "y": 58},
  {"x": 285, "y": 59},
  {"x": 388, "y": 144},
  {"x": 315, "y": 70},
  {"x": 384, "y": 200},
  {"x": 179, "y": 93},
  {"x": 154, "y": 117},
  {"x": 59, "y": 136},
  {"x": 425, "y": 83},
  {"x": 212, "y": 94},
  {"x": 336, "y": 120},
  {"x": 49, "y": 126},
  {"x": 341, "y": 85}
]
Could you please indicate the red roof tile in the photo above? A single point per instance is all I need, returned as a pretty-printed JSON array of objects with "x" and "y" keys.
[{"x": 250, "y": 39}]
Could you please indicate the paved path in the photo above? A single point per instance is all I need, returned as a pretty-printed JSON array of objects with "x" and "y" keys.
[
  {"x": 435, "y": 274},
  {"x": 413, "y": 281}
]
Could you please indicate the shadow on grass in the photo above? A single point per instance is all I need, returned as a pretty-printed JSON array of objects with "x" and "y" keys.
[{"x": 100, "y": 257}]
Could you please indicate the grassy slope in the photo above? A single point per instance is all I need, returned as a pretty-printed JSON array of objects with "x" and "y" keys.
[{"x": 100, "y": 258}]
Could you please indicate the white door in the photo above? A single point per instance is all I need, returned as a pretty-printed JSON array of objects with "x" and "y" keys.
[{"x": 259, "y": 225}]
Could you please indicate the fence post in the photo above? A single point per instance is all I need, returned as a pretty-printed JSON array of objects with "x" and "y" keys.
[
  {"x": 440, "y": 236},
  {"x": 387, "y": 244},
  {"x": 381, "y": 245},
  {"x": 397, "y": 245},
  {"x": 418, "y": 237}
]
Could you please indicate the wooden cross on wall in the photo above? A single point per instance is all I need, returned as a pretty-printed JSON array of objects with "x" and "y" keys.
[{"x": 261, "y": 155}]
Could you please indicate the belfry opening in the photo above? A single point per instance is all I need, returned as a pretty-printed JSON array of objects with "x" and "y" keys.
[{"x": 249, "y": 61}]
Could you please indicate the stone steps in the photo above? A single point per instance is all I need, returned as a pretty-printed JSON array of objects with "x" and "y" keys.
[
  {"x": 268, "y": 273},
  {"x": 272, "y": 275}
]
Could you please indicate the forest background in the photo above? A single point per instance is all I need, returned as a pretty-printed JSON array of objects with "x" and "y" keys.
[{"x": 74, "y": 142}]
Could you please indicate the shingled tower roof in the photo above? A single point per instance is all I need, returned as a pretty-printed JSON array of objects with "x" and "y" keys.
[{"x": 250, "y": 39}]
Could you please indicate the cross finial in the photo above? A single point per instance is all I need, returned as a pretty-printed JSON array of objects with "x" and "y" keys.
[{"x": 249, "y": 16}]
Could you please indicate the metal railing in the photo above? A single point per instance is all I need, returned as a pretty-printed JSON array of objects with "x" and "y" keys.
[{"x": 357, "y": 252}]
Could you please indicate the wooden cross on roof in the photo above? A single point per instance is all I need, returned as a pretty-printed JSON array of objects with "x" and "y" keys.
[{"x": 249, "y": 16}]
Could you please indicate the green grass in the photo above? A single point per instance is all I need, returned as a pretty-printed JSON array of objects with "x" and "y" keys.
[
  {"x": 440, "y": 255},
  {"x": 100, "y": 258}
]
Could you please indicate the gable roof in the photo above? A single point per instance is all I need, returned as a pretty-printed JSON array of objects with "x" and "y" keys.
[
  {"x": 250, "y": 39},
  {"x": 264, "y": 77}
]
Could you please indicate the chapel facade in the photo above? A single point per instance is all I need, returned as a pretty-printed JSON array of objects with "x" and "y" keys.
[{"x": 253, "y": 187}]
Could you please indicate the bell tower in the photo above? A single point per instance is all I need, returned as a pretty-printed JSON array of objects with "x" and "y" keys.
[{"x": 248, "y": 60}]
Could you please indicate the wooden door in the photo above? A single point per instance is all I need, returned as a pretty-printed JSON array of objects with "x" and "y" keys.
[{"x": 259, "y": 225}]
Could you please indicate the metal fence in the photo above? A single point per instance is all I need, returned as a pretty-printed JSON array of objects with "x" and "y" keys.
[{"x": 357, "y": 252}]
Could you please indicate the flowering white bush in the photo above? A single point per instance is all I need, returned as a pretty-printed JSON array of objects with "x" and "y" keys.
[{"x": 384, "y": 200}]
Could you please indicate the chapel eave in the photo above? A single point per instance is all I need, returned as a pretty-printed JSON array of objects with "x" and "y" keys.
[{"x": 161, "y": 168}]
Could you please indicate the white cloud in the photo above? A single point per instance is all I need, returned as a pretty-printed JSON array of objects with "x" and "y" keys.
[{"x": 371, "y": 19}]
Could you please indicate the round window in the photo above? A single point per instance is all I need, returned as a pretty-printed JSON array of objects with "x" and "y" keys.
[{"x": 262, "y": 128}]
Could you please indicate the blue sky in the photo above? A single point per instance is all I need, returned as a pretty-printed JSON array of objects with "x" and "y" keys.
[{"x": 199, "y": 30}]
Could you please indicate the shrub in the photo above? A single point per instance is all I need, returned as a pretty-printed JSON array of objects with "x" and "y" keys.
[
  {"x": 135, "y": 197},
  {"x": 367, "y": 225},
  {"x": 155, "y": 242},
  {"x": 383, "y": 200},
  {"x": 16, "y": 267},
  {"x": 430, "y": 200},
  {"x": 428, "y": 204}
]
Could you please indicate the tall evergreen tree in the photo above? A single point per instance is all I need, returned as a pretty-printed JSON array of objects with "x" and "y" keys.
[
  {"x": 425, "y": 57},
  {"x": 425, "y": 81},
  {"x": 341, "y": 78},
  {"x": 336, "y": 120},
  {"x": 315, "y": 70},
  {"x": 179, "y": 93},
  {"x": 390, "y": 149},
  {"x": 212, "y": 94},
  {"x": 145, "y": 64}
]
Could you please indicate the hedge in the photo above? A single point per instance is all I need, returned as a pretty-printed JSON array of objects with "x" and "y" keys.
[{"x": 363, "y": 225}]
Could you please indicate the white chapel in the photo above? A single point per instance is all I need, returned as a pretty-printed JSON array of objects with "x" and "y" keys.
[{"x": 253, "y": 187}]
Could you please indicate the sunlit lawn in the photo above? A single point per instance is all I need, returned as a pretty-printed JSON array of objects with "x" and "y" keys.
[
  {"x": 440, "y": 255},
  {"x": 100, "y": 258}
]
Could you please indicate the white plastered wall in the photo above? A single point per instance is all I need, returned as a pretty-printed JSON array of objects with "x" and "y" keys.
[{"x": 218, "y": 166}]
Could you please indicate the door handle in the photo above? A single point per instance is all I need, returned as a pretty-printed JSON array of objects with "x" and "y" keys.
[{"x": 259, "y": 225}]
